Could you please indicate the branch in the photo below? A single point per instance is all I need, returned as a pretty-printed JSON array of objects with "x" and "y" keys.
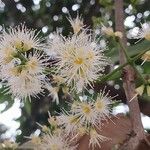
[{"x": 129, "y": 83}]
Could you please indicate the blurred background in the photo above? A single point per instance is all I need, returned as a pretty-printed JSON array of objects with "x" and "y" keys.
[{"x": 18, "y": 118}]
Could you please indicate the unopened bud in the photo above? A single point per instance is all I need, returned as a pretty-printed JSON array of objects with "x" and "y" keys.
[{"x": 119, "y": 34}]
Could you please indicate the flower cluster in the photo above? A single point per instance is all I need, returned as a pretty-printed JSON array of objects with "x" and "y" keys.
[
  {"x": 85, "y": 117},
  {"x": 22, "y": 62},
  {"x": 80, "y": 59},
  {"x": 24, "y": 58},
  {"x": 71, "y": 63}
]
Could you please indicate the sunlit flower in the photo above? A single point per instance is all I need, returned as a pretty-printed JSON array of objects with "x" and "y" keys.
[
  {"x": 81, "y": 61},
  {"x": 93, "y": 112},
  {"x": 20, "y": 38},
  {"x": 22, "y": 73},
  {"x": 96, "y": 139},
  {"x": 31, "y": 65},
  {"x": 77, "y": 24}
]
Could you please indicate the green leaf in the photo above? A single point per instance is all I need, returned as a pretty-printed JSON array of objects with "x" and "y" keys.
[
  {"x": 132, "y": 50},
  {"x": 146, "y": 68}
]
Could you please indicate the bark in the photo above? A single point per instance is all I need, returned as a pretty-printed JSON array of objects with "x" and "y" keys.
[{"x": 129, "y": 85}]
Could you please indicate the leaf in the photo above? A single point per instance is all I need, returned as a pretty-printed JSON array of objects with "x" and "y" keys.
[
  {"x": 132, "y": 50},
  {"x": 146, "y": 67}
]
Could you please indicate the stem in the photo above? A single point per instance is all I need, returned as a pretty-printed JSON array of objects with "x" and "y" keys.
[{"x": 124, "y": 50}]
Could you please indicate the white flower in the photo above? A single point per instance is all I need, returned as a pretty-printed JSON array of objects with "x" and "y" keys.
[
  {"x": 102, "y": 106},
  {"x": 24, "y": 75},
  {"x": 85, "y": 113},
  {"x": 93, "y": 112},
  {"x": 96, "y": 139},
  {"x": 25, "y": 85},
  {"x": 80, "y": 61},
  {"x": 20, "y": 38},
  {"x": 77, "y": 24},
  {"x": 69, "y": 122},
  {"x": 7, "y": 54},
  {"x": 36, "y": 63},
  {"x": 22, "y": 72},
  {"x": 55, "y": 142}
]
